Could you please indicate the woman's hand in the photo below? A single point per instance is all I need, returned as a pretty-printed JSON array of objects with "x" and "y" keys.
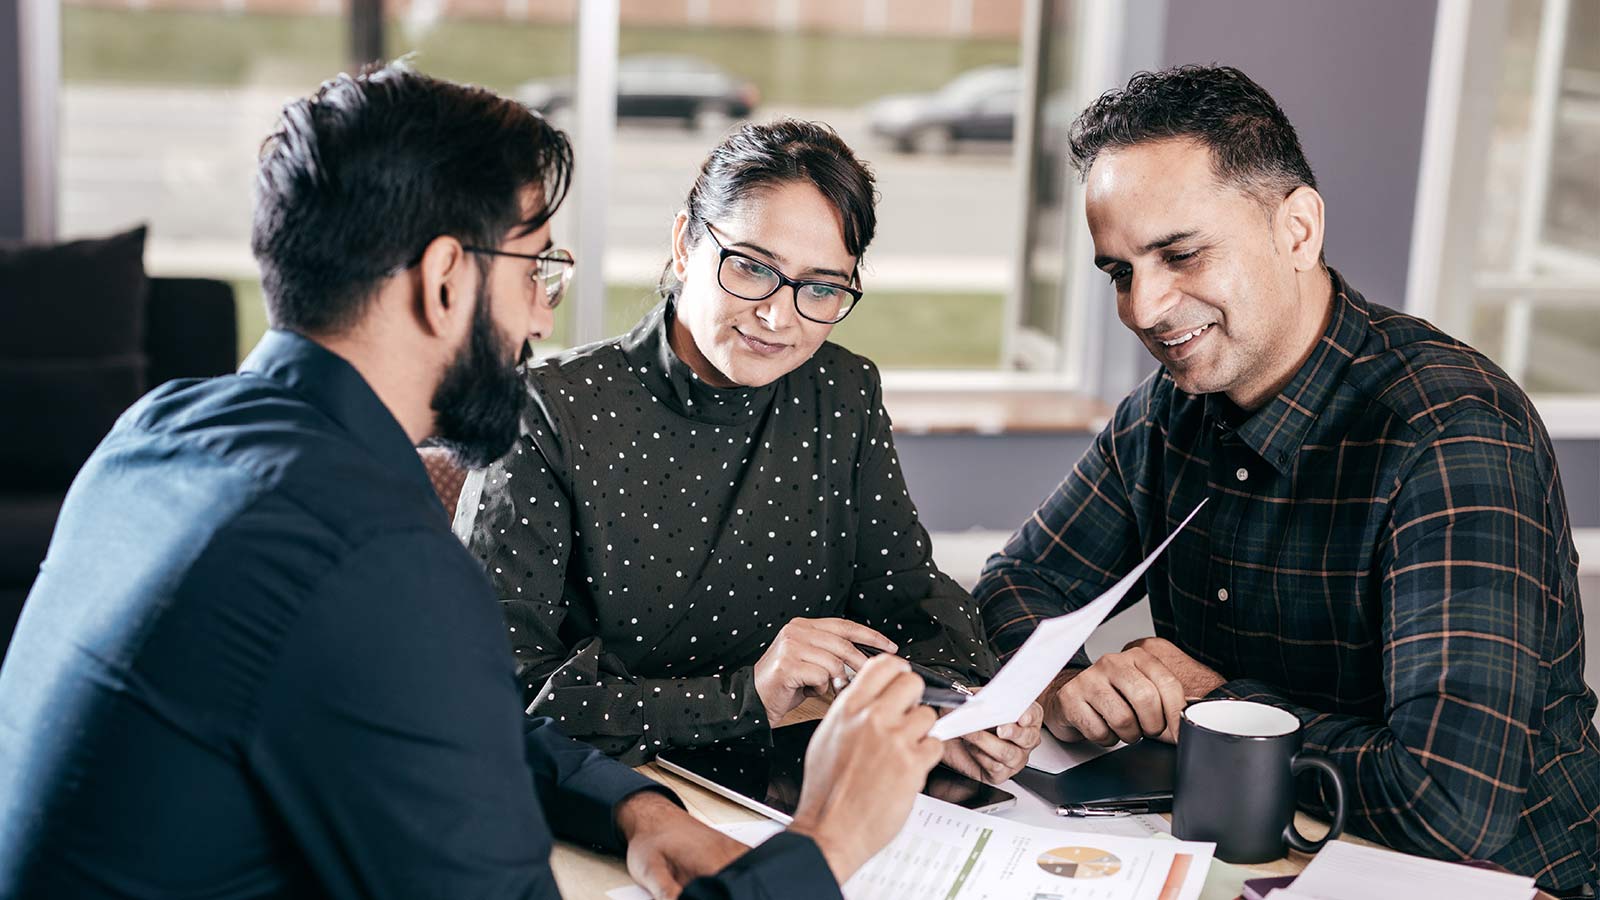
[
  {"x": 996, "y": 756},
  {"x": 808, "y": 657}
]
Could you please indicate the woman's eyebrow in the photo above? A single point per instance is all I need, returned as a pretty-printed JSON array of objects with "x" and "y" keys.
[{"x": 783, "y": 263}]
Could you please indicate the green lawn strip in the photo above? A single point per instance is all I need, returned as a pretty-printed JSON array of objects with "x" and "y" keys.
[
  {"x": 299, "y": 51},
  {"x": 894, "y": 329}
]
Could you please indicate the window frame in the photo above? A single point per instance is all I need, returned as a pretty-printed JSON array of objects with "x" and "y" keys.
[{"x": 1469, "y": 40}]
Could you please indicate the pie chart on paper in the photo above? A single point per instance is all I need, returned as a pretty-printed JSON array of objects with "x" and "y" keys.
[{"x": 1079, "y": 862}]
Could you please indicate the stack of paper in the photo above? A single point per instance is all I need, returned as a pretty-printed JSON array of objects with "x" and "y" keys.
[{"x": 1344, "y": 871}]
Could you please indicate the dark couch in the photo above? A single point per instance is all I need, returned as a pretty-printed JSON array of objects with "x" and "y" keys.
[{"x": 70, "y": 362}]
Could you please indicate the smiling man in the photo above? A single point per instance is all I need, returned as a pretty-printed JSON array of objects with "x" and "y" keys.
[{"x": 1386, "y": 551}]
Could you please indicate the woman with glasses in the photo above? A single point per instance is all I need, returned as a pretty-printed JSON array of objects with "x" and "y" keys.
[{"x": 705, "y": 521}]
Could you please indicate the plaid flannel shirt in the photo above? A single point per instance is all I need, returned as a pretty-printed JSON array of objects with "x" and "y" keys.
[{"x": 1386, "y": 554}]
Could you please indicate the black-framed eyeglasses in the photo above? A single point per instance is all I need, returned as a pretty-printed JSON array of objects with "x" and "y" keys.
[
  {"x": 553, "y": 273},
  {"x": 751, "y": 279}
]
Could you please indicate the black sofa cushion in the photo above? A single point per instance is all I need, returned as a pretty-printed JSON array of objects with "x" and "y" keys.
[
  {"x": 191, "y": 329},
  {"x": 72, "y": 355},
  {"x": 59, "y": 410},
  {"x": 79, "y": 300},
  {"x": 26, "y": 523}
]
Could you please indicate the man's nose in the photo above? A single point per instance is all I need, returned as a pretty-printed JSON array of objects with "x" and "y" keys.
[{"x": 1151, "y": 296}]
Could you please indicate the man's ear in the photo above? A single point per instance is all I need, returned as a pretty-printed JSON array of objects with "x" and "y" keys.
[
  {"x": 1300, "y": 227},
  {"x": 680, "y": 244},
  {"x": 448, "y": 282}
]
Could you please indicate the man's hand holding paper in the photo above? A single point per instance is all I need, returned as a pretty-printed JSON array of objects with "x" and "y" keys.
[{"x": 1042, "y": 657}]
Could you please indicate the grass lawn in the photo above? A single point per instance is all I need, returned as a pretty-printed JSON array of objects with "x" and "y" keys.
[
  {"x": 298, "y": 52},
  {"x": 894, "y": 330}
]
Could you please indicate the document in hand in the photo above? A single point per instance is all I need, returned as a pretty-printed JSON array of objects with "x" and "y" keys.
[{"x": 1041, "y": 657}]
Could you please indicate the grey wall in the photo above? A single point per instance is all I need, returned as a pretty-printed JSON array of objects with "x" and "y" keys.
[
  {"x": 960, "y": 482},
  {"x": 10, "y": 123},
  {"x": 1353, "y": 77}
]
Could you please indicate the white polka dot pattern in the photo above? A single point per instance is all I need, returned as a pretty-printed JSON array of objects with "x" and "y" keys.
[{"x": 677, "y": 527}]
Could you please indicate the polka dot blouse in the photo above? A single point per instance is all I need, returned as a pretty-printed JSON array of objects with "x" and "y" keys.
[{"x": 649, "y": 535}]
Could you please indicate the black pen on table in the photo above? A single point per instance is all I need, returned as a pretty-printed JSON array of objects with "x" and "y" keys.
[
  {"x": 1135, "y": 805},
  {"x": 940, "y": 691}
]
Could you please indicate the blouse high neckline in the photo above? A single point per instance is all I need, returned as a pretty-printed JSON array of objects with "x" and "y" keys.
[{"x": 649, "y": 352}]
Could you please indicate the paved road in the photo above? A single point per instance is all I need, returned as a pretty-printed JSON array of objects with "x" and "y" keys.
[{"x": 183, "y": 159}]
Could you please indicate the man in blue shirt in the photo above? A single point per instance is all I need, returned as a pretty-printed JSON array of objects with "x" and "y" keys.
[{"x": 257, "y": 663}]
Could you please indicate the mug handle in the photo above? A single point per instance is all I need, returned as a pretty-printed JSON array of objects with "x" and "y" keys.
[{"x": 1301, "y": 763}]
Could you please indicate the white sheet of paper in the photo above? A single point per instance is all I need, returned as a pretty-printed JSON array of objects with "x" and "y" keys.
[
  {"x": 1344, "y": 871},
  {"x": 1054, "y": 757},
  {"x": 1041, "y": 657},
  {"x": 751, "y": 834}
]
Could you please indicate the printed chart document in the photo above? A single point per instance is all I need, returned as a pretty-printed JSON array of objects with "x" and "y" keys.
[
  {"x": 946, "y": 852},
  {"x": 1041, "y": 657}
]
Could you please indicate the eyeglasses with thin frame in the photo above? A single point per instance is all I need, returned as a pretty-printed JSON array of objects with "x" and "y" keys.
[
  {"x": 553, "y": 273},
  {"x": 751, "y": 279}
]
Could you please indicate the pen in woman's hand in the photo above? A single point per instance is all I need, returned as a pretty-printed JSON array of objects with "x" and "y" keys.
[{"x": 929, "y": 676}]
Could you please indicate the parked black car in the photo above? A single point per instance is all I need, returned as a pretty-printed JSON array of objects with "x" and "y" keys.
[
  {"x": 979, "y": 105},
  {"x": 660, "y": 86}
]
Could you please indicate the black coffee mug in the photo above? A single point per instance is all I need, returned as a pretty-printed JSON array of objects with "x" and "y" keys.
[{"x": 1237, "y": 761}]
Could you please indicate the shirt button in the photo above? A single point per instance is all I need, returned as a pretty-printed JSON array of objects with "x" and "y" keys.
[
  {"x": 1242, "y": 474},
  {"x": 1222, "y": 593}
]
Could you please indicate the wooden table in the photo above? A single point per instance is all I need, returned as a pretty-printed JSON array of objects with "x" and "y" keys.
[{"x": 583, "y": 874}]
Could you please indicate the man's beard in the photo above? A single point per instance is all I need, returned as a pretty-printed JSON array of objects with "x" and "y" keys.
[{"x": 478, "y": 404}]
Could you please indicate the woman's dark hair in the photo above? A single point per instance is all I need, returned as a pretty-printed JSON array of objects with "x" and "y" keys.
[
  {"x": 363, "y": 174},
  {"x": 758, "y": 157},
  {"x": 1253, "y": 146}
]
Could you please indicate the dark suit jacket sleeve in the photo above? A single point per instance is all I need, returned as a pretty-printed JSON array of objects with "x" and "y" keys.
[
  {"x": 579, "y": 787},
  {"x": 787, "y": 867},
  {"x": 390, "y": 739}
]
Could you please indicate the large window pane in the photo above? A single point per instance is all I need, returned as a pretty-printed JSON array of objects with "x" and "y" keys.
[
  {"x": 940, "y": 266},
  {"x": 1536, "y": 309},
  {"x": 1572, "y": 215},
  {"x": 521, "y": 48},
  {"x": 163, "y": 104}
]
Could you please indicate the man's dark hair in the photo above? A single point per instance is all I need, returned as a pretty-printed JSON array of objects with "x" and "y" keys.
[
  {"x": 363, "y": 174},
  {"x": 1253, "y": 146},
  {"x": 757, "y": 157}
]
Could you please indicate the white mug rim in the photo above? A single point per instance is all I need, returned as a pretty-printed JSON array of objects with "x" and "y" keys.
[{"x": 1289, "y": 719}]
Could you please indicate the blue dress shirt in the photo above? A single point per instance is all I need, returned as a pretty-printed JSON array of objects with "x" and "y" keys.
[{"x": 257, "y": 663}]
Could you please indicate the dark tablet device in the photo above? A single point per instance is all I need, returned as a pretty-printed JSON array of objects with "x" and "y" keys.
[
  {"x": 1148, "y": 767},
  {"x": 769, "y": 782}
]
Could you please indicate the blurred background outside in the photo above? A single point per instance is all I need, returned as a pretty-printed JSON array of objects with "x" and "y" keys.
[
  {"x": 170, "y": 137},
  {"x": 929, "y": 92}
]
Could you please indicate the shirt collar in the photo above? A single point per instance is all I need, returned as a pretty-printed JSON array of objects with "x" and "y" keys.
[
  {"x": 330, "y": 384},
  {"x": 1276, "y": 430},
  {"x": 649, "y": 353}
]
